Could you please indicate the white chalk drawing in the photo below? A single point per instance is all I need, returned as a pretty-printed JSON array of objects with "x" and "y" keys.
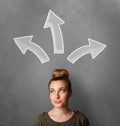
[
  {"x": 94, "y": 47},
  {"x": 24, "y": 44},
  {"x": 54, "y": 22}
]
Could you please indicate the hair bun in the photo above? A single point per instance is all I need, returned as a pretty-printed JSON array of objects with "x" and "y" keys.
[{"x": 60, "y": 73}]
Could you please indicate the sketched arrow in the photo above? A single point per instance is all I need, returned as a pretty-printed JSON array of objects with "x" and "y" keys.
[
  {"x": 54, "y": 22},
  {"x": 94, "y": 47},
  {"x": 24, "y": 44}
]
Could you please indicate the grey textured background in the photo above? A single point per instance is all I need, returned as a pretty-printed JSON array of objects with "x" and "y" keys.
[{"x": 24, "y": 80}]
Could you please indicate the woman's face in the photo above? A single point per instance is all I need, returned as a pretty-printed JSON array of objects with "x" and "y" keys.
[{"x": 59, "y": 93}]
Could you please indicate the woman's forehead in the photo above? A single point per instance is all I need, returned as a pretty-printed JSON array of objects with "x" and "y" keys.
[{"x": 58, "y": 84}]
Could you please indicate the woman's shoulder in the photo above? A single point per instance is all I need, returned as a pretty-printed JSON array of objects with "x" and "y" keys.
[
  {"x": 40, "y": 119},
  {"x": 82, "y": 117},
  {"x": 77, "y": 112},
  {"x": 42, "y": 115}
]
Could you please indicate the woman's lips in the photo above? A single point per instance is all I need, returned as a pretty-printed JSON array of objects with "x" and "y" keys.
[{"x": 56, "y": 102}]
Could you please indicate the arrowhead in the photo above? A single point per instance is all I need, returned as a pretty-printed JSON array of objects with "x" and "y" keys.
[
  {"x": 96, "y": 47},
  {"x": 52, "y": 19},
  {"x": 22, "y": 43}
]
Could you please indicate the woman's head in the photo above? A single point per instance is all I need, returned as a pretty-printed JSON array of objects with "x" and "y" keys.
[
  {"x": 60, "y": 88},
  {"x": 63, "y": 75}
]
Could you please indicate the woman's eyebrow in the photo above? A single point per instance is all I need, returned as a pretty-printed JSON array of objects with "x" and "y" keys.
[
  {"x": 59, "y": 88},
  {"x": 52, "y": 89},
  {"x": 63, "y": 88}
]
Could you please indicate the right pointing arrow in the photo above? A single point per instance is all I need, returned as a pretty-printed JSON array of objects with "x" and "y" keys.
[
  {"x": 94, "y": 47},
  {"x": 24, "y": 44}
]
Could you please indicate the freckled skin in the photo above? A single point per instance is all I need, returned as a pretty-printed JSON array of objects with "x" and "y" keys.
[{"x": 59, "y": 94}]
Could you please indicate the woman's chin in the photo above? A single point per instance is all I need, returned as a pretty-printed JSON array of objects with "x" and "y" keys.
[{"x": 58, "y": 105}]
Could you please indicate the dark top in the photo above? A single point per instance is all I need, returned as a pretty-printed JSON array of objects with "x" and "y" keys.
[{"x": 78, "y": 119}]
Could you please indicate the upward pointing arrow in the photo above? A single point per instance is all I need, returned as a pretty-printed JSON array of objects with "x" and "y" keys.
[
  {"x": 24, "y": 44},
  {"x": 94, "y": 47},
  {"x": 54, "y": 22}
]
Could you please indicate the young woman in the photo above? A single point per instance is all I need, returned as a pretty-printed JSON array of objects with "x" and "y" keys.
[{"x": 61, "y": 115}]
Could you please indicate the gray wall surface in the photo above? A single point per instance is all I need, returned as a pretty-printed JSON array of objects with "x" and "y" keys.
[{"x": 24, "y": 79}]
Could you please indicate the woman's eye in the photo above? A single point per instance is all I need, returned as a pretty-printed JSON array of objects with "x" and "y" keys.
[
  {"x": 52, "y": 91},
  {"x": 62, "y": 91}
]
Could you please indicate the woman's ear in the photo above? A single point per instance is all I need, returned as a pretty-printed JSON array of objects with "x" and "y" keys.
[{"x": 70, "y": 93}]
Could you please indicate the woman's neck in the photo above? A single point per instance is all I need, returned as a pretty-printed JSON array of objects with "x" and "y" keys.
[
  {"x": 61, "y": 111},
  {"x": 56, "y": 113}
]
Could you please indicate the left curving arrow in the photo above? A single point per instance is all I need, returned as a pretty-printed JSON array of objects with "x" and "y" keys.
[{"x": 24, "y": 44}]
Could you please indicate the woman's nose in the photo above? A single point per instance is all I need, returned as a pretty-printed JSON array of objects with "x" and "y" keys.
[{"x": 57, "y": 95}]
